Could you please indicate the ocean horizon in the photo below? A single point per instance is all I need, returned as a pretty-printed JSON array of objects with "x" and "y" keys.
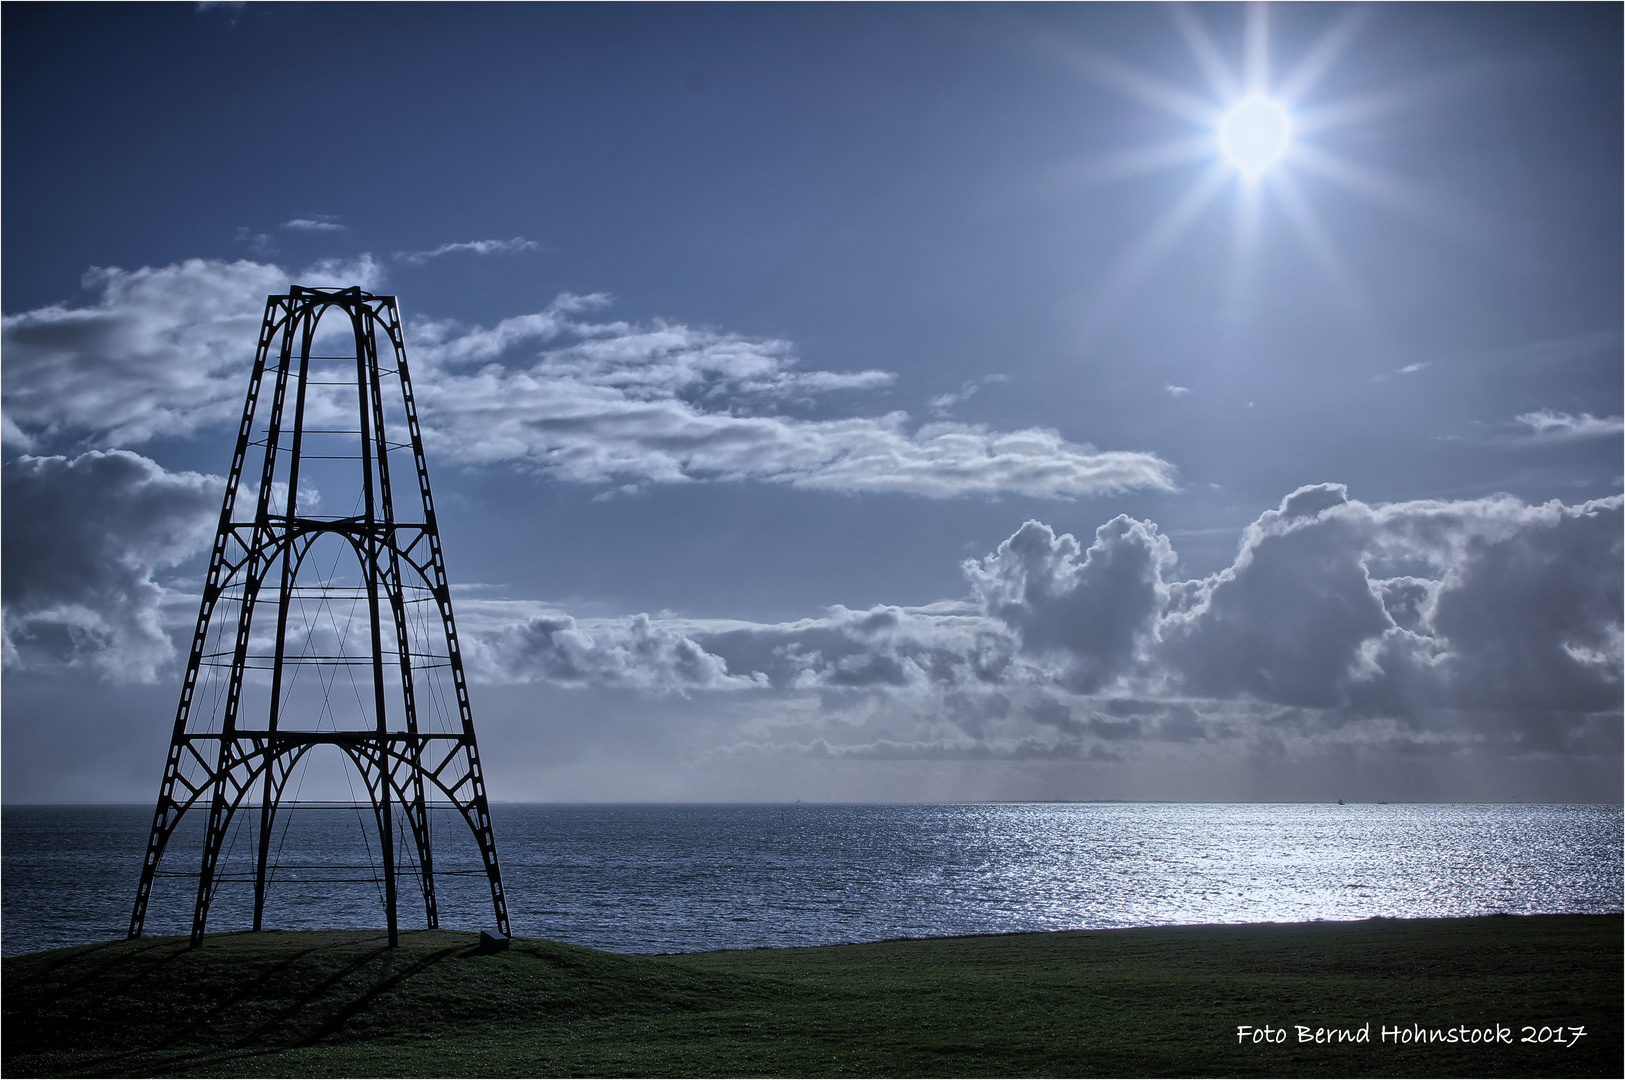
[{"x": 687, "y": 877}]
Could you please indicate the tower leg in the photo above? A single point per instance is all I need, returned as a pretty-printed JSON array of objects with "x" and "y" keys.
[
  {"x": 214, "y": 838},
  {"x": 386, "y": 830},
  {"x": 263, "y": 856}
]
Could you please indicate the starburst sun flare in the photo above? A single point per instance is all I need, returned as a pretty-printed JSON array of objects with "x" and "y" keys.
[{"x": 1258, "y": 136}]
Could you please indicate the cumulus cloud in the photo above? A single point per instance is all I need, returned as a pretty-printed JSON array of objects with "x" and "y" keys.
[
  {"x": 1091, "y": 617},
  {"x": 1282, "y": 623},
  {"x": 1333, "y": 606},
  {"x": 945, "y": 645},
  {"x": 1408, "y": 609},
  {"x": 84, "y": 539},
  {"x": 163, "y": 352},
  {"x": 628, "y": 654},
  {"x": 1432, "y": 624},
  {"x": 1547, "y": 425},
  {"x": 477, "y": 247}
]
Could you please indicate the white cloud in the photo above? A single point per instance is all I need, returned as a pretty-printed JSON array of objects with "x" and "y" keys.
[
  {"x": 1547, "y": 425},
  {"x": 642, "y": 362},
  {"x": 947, "y": 645},
  {"x": 1176, "y": 391},
  {"x": 164, "y": 352},
  {"x": 84, "y": 539},
  {"x": 1469, "y": 620},
  {"x": 1405, "y": 619},
  {"x": 314, "y": 223},
  {"x": 844, "y": 650},
  {"x": 1334, "y": 608},
  {"x": 258, "y": 242},
  {"x": 1408, "y": 609},
  {"x": 628, "y": 654},
  {"x": 582, "y": 432},
  {"x": 662, "y": 402},
  {"x": 1408, "y": 369},
  {"x": 942, "y": 404},
  {"x": 1436, "y": 625},
  {"x": 1090, "y": 619},
  {"x": 477, "y": 247}
]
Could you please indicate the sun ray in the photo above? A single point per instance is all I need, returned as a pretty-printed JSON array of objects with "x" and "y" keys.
[
  {"x": 1322, "y": 56},
  {"x": 1148, "y": 89},
  {"x": 1249, "y": 216},
  {"x": 1225, "y": 85},
  {"x": 1148, "y": 159},
  {"x": 1247, "y": 228},
  {"x": 1256, "y": 67},
  {"x": 1434, "y": 88},
  {"x": 1169, "y": 226},
  {"x": 1447, "y": 216},
  {"x": 1306, "y": 223}
]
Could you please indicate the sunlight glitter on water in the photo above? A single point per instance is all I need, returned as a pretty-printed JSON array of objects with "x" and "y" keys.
[{"x": 662, "y": 878}]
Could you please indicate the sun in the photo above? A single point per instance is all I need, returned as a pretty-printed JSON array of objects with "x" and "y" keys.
[
  {"x": 1258, "y": 133},
  {"x": 1254, "y": 134}
]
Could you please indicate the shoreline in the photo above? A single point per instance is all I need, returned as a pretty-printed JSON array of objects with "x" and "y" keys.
[
  {"x": 378, "y": 934},
  {"x": 1058, "y": 801}
]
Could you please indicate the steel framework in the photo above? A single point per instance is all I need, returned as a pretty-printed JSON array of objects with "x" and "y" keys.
[{"x": 254, "y": 701}]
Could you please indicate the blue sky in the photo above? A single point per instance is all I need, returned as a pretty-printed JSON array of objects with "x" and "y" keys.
[{"x": 817, "y": 342}]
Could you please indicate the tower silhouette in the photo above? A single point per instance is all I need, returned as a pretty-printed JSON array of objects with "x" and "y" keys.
[{"x": 324, "y": 632}]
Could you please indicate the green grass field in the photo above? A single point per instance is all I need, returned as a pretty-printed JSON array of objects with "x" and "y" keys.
[{"x": 1162, "y": 1001}]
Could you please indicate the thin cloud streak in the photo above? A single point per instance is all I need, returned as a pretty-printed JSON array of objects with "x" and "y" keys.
[
  {"x": 1547, "y": 425},
  {"x": 318, "y": 223},
  {"x": 476, "y": 247}
]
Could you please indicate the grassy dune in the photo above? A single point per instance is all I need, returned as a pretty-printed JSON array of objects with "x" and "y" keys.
[{"x": 1163, "y": 1001}]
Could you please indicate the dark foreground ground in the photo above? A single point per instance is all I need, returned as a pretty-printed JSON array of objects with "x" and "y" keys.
[{"x": 1149, "y": 1002}]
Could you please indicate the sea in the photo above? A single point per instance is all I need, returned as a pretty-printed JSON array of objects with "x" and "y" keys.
[{"x": 663, "y": 878}]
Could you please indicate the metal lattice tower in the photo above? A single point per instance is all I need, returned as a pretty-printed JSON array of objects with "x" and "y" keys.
[{"x": 305, "y": 612}]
